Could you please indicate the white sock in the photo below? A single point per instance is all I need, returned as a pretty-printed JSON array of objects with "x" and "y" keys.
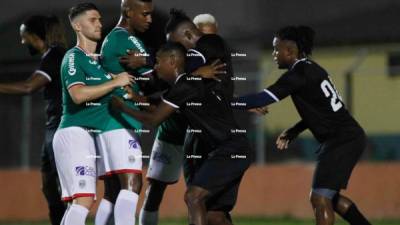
[
  {"x": 76, "y": 215},
  {"x": 125, "y": 208},
  {"x": 65, "y": 215},
  {"x": 104, "y": 212},
  {"x": 147, "y": 217}
]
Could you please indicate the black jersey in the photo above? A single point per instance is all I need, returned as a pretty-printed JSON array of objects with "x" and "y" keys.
[
  {"x": 315, "y": 98},
  {"x": 208, "y": 112},
  {"x": 213, "y": 47},
  {"x": 50, "y": 67}
]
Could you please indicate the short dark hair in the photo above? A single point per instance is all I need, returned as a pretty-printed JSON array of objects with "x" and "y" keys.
[
  {"x": 173, "y": 47},
  {"x": 36, "y": 25},
  {"x": 176, "y": 17},
  {"x": 81, "y": 8},
  {"x": 303, "y": 36}
]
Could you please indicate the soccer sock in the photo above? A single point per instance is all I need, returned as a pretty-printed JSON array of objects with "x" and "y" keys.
[
  {"x": 76, "y": 215},
  {"x": 354, "y": 216},
  {"x": 65, "y": 215},
  {"x": 125, "y": 208},
  {"x": 148, "y": 218},
  {"x": 104, "y": 212}
]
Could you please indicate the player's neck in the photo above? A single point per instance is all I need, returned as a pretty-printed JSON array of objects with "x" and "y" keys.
[
  {"x": 87, "y": 45},
  {"x": 124, "y": 24}
]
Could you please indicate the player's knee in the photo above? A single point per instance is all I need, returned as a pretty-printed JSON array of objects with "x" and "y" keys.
[
  {"x": 86, "y": 202},
  {"x": 195, "y": 196},
  {"x": 136, "y": 183},
  {"x": 319, "y": 201}
]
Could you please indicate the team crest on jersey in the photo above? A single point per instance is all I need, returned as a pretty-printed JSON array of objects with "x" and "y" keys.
[
  {"x": 85, "y": 171},
  {"x": 162, "y": 158},
  {"x": 93, "y": 62},
  {"x": 133, "y": 144},
  {"x": 71, "y": 64},
  {"x": 82, "y": 183}
]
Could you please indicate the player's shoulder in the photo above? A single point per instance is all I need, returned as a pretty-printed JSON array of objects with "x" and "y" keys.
[
  {"x": 210, "y": 40},
  {"x": 55, "y": 51}
]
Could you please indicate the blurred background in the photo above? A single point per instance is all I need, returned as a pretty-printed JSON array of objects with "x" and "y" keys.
[{"x": 357, "y": 42}]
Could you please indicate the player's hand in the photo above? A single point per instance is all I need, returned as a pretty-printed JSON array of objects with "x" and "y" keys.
[
  {"x": 117, "y": 103},
  {"x": 123, "y": 79},
  {"x": 133, "y": 59},
  {"x": 212, "y": 70},
  {"x": 282, "y": 142},
  {"x": 260, "y": 111}
]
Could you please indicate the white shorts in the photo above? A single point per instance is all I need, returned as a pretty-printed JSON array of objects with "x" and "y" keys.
[
  {"x": 75, "y": 156},
  {"x": 165, "y": 162},
  {"x": 119, "y": 151}
]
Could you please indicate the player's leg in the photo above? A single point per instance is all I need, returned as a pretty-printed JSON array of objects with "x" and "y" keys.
[
  {"x": 154, "y": 194},
  {"x": 218, "y": 218},
  {"x": 105, "y": 211},
  {"x": 321, "y": 201},
  {"x": 164, "y": 169},
  {"x": 195, "y": 199},
  {"x": 348, "y": 210},
  {"x": 50, "y": 183},
  {"x": 75, "y": 152},
  {"x": 336, "y": 160},
  {"x": 125, "y": 161},
  {"x": 344, "y": 206},
  {"x": 217, "y": 182}
]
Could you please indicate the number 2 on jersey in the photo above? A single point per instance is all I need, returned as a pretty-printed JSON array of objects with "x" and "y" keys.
[{"x": 330, "y": 92}]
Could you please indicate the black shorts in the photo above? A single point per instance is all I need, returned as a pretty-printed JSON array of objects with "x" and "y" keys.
[
  {"x": 48, "y": 164},
  {"x": 336, "y": 159},
  {"x": 220, "y": 173}
]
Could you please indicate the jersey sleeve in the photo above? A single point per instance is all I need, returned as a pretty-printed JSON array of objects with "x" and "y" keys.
[
  {"x": 179, "y": 94},
  {"x": 194, "y": 60},
  {"x": 287, "y": 84},
  {"x": 73, "y": 70},
  {"x": 47, "y": 66},
  {"x": 135, "y": 44}
]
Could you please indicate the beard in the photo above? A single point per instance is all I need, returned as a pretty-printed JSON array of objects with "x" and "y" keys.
[{"x": 32, "y": 50}]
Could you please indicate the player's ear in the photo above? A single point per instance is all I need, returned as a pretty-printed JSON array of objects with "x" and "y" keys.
[
  {"x": 187, "y": 34},
  {"x": 172, "y": 59},
  {"x": 76, "y": 26}
]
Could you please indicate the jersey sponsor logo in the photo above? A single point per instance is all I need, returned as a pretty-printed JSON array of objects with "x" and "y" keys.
[
  {"x": 133, "y": 144},
  {"x": 162, "y": 158},
  {"x": 136, "y": 42},
  {"x": 71, "y": 64},
  {"x": 85, "y": 171},
  {"x": 108, "y": 76},
  {"x": 330, "y": 92}
]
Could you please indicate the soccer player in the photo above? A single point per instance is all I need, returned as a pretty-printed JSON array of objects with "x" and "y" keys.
[
  {"x": 167, "y": 153},
  {"x": 85, "y": 85},
  {"x": 120, "y": 164},
  {"x": 323, "y": 112},
  {"x": 206, "y": 23},
  {"x": 215, "y": 184},
  {"x": 44, "y": 35}
]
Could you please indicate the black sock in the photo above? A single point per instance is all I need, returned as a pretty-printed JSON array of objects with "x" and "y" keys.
[{"x": 354, "y": 216}]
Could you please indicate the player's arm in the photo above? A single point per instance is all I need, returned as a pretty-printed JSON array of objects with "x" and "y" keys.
[
  {"x": 152, "y": 118},
  {"x": 148, "y": 102},
  {"x": 286, "y": 85},
  {"x": 284, "y": 139},
  {"x": 256, "y": 100},
  {"x": 34, "y": 83},
  {"x": 81, "y": 93}
]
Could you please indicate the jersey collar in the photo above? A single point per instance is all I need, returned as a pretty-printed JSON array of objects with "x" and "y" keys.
[
  {"x": 297, "y": 61},
  {"x": 179, "y": 77}
]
